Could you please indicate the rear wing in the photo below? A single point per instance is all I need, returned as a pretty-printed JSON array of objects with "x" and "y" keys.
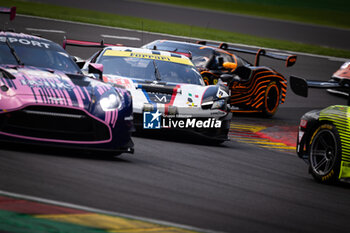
[
  {"x": 288, "y": 58},
  {"x": 300, "y": 86},
  {"x": 181, "y": 52},
  {"x": 81, "y": 43},
  {"x": 189, "y": 54},
  {"x": 11, "y": 11}
]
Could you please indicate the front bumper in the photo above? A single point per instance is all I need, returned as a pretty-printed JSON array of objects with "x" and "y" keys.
[
  {"x": 127, "y": 148},
  {"x": 65, "y": 127}
]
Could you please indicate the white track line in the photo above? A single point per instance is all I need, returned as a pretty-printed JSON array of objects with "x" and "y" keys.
[
  {"x": 189, "y": 38},
  {"x": 45, "y": 30},
  {"x": 99, "y": 211},
  {"x": 120, "y": 37}
]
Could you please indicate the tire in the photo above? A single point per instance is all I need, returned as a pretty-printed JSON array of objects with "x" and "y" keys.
[
  {"x": 271, "y": 100},
  {"x": 325, "y": 154}
]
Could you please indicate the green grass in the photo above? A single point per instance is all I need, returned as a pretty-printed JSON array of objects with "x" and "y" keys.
[
  {"x": 324, "y": 12},
  {"x": 94, "y": 17}
]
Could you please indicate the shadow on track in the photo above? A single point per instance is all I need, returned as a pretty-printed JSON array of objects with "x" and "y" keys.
[
  {"x": 178, "y": 136},
  {"x": 61, "y": 151}
]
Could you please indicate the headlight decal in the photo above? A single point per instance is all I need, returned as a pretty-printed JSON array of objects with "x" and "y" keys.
[
  {"x": 111, "y": 117},
  {"x": 215, "y": 97},
  {"x": 219, "y": 104},
  {"x": 110, "y": 101}
]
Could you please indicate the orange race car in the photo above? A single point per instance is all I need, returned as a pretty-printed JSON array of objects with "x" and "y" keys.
[{"x": 254, "y": 88}]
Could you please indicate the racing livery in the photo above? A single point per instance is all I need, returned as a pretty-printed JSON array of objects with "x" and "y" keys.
[
  {"x": 257, "y": 89},
  {"x": 341, "y": 75},
  {"x": 45, "y": 98},
  {"x": 323, "y": 139},
  {"x": 165, "y": 83}
]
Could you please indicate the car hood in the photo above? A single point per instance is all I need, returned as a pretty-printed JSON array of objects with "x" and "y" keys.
[{"x": 46, "y": 86}]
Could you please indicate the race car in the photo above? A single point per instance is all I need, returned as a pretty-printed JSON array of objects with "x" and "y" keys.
[
  {"x": 46, "y": 99},
  {"x": 323, "y": 140},
  {"x": 341, "y": 75},
  {"x": 164, "y": 86},
  {"x": 256, "y": 89}
]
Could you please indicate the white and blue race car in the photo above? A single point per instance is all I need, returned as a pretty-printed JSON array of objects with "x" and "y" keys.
[{"x": 167, "y": 90}]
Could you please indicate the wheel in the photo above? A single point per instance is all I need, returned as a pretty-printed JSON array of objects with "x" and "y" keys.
[
  {"x": 271, "y": 100},
  {"x": 325, "y": 154}
]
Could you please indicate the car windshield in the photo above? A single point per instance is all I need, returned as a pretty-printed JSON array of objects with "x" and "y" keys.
[
  {"x": 52, "y": 57},
  {"x": 150, "y": 69},
  {"x": 200, "y": 55}
]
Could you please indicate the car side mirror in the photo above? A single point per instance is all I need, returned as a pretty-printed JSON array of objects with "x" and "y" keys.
[
  {"x": 226, "y": 77},
  {"x": 229, "y": 79},
  {"x": 95, "y": 68}
]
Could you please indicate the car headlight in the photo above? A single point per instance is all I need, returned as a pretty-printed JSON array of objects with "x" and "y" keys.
[
  {"x": 110, "y": 102},
  {"x": 219, "y": 104}
]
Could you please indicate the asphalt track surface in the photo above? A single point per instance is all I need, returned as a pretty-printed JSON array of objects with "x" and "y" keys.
[
  {"x": 256, "y": 26},
  {"x": 234, "y": 187}
]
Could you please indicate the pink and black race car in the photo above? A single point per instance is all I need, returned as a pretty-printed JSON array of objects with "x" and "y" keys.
[{"x": 45, "y": 98}]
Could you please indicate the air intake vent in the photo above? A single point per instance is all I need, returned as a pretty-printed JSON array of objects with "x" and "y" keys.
[{"x": 55, "y": 123}]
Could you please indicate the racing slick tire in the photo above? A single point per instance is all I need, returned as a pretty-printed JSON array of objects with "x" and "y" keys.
[
  {"x": 271, "y": 100},
  {"x": 325, "y": 154}
]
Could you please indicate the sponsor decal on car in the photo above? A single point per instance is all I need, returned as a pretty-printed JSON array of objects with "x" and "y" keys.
[
  {"x": 25, "y": 42},
  {"x": 190, "y": 101},
  {"x": 147, "y": 56},
  {"x": 46, "y": 84}
]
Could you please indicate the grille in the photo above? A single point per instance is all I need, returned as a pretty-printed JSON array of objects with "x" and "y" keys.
[{"x": 54, "y": 123}]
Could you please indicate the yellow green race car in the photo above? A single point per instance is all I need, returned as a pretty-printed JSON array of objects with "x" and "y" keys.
[{"x": 323, "y": 139}]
